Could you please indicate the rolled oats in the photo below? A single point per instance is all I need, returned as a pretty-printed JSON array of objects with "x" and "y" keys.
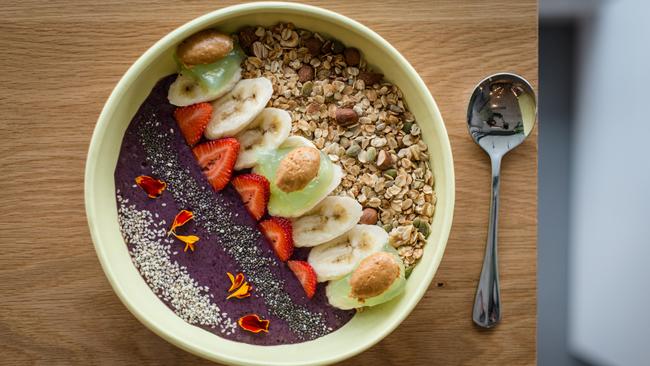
[{"x": 402, "y": 192}]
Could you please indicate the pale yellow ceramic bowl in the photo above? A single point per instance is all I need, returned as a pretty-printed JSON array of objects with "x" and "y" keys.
[{"x": 366, "y": 328}]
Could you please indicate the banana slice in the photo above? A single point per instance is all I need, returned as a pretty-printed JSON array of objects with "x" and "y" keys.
[
  {"x": 267, "y": 131},
  {"x": 187, "y": 91},
  {"x": 331, "y": 218},
  {"x": 340, "y": 256},
  {"x": 297, "y": 141},
  {"x": 235, "y": 110},
  {"x": 337, "y": 176}
]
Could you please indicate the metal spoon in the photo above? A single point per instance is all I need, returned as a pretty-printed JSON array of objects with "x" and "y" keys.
[{"x": 500, "y": 115}]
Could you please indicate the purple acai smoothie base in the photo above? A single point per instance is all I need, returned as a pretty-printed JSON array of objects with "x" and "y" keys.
[{"x": 210, "y": 261}]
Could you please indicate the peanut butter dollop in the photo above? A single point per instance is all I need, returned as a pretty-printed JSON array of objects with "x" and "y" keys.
[
  {"x": 374, "y": 275},
  {"x": 297, "y": 169},
  {"x": 204, "y": 47}
]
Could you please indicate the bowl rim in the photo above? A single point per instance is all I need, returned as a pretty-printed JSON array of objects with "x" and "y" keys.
[{"x": 138, "y": 66}]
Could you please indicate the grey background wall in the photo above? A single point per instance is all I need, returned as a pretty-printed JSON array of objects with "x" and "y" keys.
[
  {"x": 556, "y": 87},
  {"x": 594, "y": 168}
]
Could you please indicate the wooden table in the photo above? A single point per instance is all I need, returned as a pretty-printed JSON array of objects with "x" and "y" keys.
[{"x": 61, "y": 60}]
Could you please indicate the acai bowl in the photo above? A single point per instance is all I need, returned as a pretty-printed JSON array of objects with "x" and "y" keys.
[{"x": 230, "y": 288}]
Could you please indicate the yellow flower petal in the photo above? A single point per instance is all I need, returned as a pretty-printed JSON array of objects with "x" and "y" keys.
[
  {"x": 242, "y": 292},
  {"x": 235, "y": 281},
  {"x": 189, "y": 240}
]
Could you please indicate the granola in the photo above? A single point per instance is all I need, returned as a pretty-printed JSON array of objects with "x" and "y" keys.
[{"x": 356, "y": 117}]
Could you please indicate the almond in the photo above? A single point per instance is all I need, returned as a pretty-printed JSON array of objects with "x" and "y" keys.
[
  {"x": 346, "y": 116},
  {"x": 204, "y": 47},
  {"x": 298, "y": 168},
  {"x": 374, "y": 276}
]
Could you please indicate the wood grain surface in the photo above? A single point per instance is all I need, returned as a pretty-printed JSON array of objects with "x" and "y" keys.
[{"x": 61, "y": 59}]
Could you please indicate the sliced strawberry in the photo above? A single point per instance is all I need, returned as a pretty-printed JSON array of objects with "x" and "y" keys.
[
  {"x": 278, "y": 231},
  {"x": 305, "y": 274},
  {"x": 217, "y": 158},
  {"x": 254, "y": 190},
  {"x": 192, "y": 120}
]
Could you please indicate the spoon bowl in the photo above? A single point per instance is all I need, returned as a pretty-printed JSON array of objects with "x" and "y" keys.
[{"x": 501, "y": 114}]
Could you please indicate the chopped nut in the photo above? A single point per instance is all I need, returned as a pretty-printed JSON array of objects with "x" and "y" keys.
[
  {"x": 247, "y": 37},
  {"x": 346, "y": 117},
  {"x": 352, "y": 56},
  {"x": 305, "y": 73},
  {"x": 370, "y": 78},
  {"x": 368, "y": 216},
  {"x": 384, "y": 160},
  {"x": 314, "y": 46},
  {"x": 337, "y": 47}
]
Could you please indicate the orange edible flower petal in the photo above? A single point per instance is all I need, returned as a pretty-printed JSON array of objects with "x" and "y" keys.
[
  {"x": 153, "y": 187},
  {"x": 242, "y": 292},
  {"x": 253, "y": 323},
  {"x": 189, "y": 240},
  {"x": 235, "y": 281},
  {"x": 181, "y": 219}
]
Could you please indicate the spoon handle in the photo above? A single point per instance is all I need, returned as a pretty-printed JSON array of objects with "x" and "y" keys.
[{"x": 487, "y": 305}]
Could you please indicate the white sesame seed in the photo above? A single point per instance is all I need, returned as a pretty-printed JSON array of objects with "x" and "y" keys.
[{"x": 169, "y": 281}]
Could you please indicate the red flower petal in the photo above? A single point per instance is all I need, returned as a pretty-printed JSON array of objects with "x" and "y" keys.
[
  {"x": 153, "y": 187},
  {"x": 253, "y": 323},
  {"x": 181, "y": 219}
]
